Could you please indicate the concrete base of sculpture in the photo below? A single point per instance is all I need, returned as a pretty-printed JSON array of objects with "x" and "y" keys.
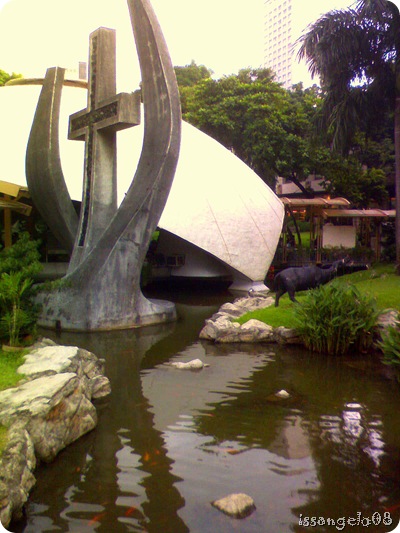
[{"x": 63, "y": 310}]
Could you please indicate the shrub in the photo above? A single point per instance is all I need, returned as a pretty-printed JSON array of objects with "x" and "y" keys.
[
  {"x": 14, "y": 317},
  {"x": 390, "y": 345},
  {"x": 335, "y": 317},
  {"x": 23, "y": 256},
  {"x": 18, "y": 266}
]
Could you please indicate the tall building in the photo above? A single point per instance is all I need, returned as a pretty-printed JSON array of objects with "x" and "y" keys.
[
  {"x": 278, "y": 54},
  {"x": 285, "y": 22}
]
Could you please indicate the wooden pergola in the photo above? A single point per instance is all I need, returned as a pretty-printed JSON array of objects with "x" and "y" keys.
[
  {"x": 10, "y": 200},
  {"x": 314, "y": 209},
  {"x": 370, "y": 234}
]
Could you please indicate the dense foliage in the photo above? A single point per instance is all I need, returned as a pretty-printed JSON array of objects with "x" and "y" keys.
[
  {"x": 5, "y": 77},
  {"x": 273, "y": 131},
  {"x": 19, "y": 264},
  {"x": 356, "y": 53},
  {"x": 335, "y": 318},
  {"x": 268, "y": 127},
  {"x": 390, "y": 345},
  {"x": 190, "y": 75}
]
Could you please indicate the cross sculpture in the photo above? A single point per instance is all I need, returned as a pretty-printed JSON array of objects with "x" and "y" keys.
[
  {"x": 97, "y": 125},
  {"x": 101, "y": 290}
]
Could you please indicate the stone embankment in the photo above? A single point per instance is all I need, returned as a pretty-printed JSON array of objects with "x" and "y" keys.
[
  {"x": 49, "y": 409},
  {"x": 222, "y": 327}
]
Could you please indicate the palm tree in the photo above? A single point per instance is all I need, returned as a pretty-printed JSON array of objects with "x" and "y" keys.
[{"x": 356, "y": 53}]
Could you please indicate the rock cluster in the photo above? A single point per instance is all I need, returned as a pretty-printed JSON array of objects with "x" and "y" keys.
[
  {"x": 222, "y": 327},
  {"x": 48, "y": 410}
]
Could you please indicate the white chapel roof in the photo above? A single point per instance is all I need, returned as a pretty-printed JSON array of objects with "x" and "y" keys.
[{"x": 216, "y": 202}]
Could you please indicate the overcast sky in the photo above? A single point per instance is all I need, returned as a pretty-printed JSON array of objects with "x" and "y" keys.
[{"x": 223, "y": 35}]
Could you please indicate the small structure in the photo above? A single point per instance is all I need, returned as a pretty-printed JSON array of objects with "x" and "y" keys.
[
  {"x": 10, "y": 200},
  {"x": 313, "y": 208},
  {"x": 364, "y": 224},
  {"x": 332, "y": 224}
]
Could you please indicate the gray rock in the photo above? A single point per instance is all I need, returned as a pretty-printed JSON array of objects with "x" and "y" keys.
[
  {"x": 389, "y": 318},
  {"x": 56, "y": 408},
  {"x": 195, "y": 364},
  {"x": 214, "y": 328},
  {"x": 47, "y": 411},
  {"x": 254, "y": 302},
  {"x": 231, "y": 310},
  {"x": 53, "y": 359},
  {"x": 17, "y": 465},
  {"x": 236, "y": 505},
  {"x": 249, "y": 332},
  {"x": 282, "y": 394},
  {"x": 99, "y": 387},
  {"x": 287, "y": 336},
  {"x": 50, "y": 360}
]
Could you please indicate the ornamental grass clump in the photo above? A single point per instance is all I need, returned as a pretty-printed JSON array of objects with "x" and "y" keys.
[
  {"x": 336, "y": 317},
  {"x": 390, "y": 345}
]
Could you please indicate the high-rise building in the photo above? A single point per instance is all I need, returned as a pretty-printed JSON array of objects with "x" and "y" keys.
[
  {"x": 285, "y": 22},
  {"x": 279, "y": 39}
]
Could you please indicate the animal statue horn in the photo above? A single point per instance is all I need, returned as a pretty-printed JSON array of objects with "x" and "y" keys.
[{"x": 102, "y": 291}]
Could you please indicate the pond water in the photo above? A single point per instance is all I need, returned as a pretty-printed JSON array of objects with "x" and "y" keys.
[{"x": 170, "y": 441}]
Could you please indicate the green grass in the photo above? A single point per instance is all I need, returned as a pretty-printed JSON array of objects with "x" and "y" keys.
[
  {"x": 380, "y": 282},
  {"x": 305, "y": 239},
  {"x": 9, "y": 363}
]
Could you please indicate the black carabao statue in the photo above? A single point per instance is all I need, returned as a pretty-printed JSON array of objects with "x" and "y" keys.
[{"x": 296, "y": 279}]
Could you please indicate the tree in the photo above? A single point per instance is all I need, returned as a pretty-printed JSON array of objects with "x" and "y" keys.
[
  {"x": 192, "y": 74},
  {"x": 347, "y": 178},
  {"x": 356, "y": 53},
  {"x": 266, "y": 126},
  {"x": 5, "y": 77}
]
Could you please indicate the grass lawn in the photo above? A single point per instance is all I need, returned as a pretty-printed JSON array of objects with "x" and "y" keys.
[
  {"x": 9, "y": 363},
  {"x": 380, "y": 282}
]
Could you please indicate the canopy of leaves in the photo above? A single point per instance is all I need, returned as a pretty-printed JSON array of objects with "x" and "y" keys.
[
  {"x": 355, "y": 52},
  {"x": 192, "y": 74},
  {"x": 5, "y": 77},
  {"x": 268, "y": 127}
]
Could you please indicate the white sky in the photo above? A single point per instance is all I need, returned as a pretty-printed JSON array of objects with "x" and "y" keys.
[{"x": 223, "y": 35}]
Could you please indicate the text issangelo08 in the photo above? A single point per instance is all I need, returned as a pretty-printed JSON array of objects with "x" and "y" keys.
[{"x": 340, "y": 523}]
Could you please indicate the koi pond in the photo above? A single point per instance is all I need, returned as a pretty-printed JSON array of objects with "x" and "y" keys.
[{"x": 170, "y": 441}]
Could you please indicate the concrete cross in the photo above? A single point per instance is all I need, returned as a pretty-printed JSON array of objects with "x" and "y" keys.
[{"x": 106, "y": 113}]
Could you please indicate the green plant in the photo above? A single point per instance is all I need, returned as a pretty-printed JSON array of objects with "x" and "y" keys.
[
  {"x": 19, "y": 264},
  {"x": 22, "y": 256},
  {"x": 14, "y": 318},
  {"x": 335, "y": 317},
  {"x": 390, "y": 345}
]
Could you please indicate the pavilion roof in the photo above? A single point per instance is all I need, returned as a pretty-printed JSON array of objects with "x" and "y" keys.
[
  {"x": 320, "y": 202},
  {"x": 360, "y": 213}
]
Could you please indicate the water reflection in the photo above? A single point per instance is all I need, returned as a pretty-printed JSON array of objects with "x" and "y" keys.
[{"x": 168, "y": 442}]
